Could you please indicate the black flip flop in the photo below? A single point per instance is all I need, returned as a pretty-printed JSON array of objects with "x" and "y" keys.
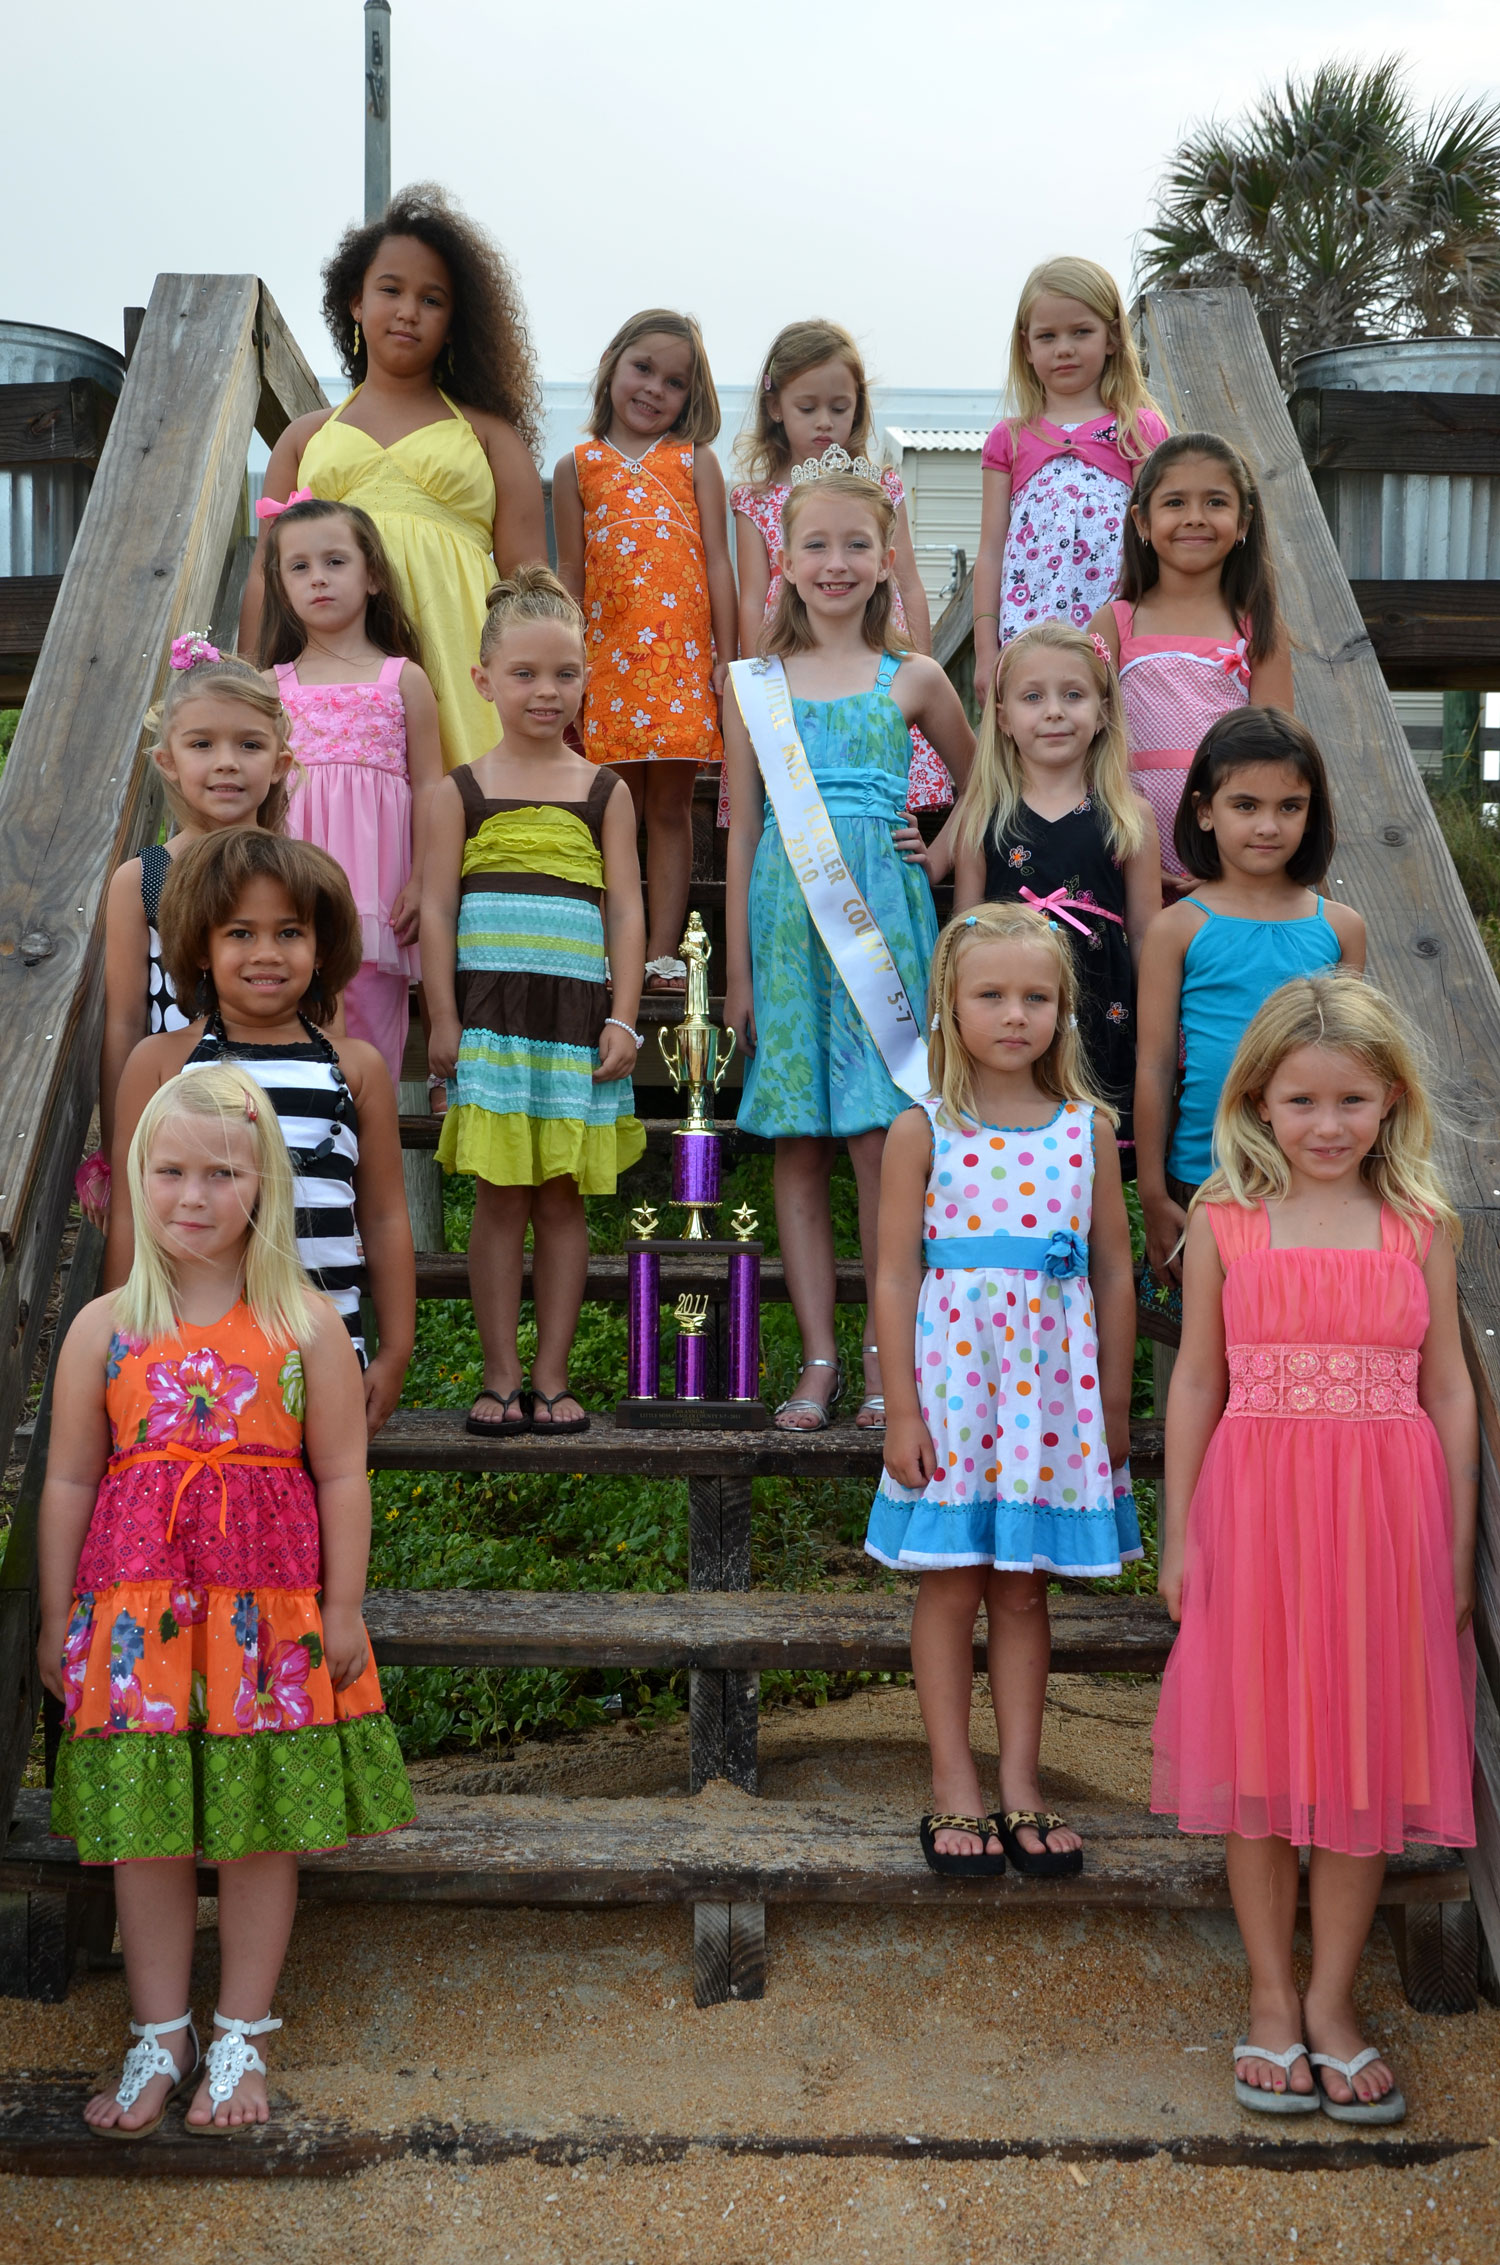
[
  {"x": 980, "y": 1867},
  {"x": 1043, "y": 1863},
  {"x": 573, "y": 1423},
  {"x": 507, "y": 1426}
]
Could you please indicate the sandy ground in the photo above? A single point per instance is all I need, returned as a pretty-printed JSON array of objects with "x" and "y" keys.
[{"x": 945, "y": 2024}]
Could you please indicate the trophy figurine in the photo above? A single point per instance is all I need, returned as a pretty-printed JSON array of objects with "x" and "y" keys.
[{"x": 697, "y": 1054}]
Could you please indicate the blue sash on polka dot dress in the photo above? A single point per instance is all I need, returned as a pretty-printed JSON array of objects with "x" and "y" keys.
[{"x": 1008, "y": 1364}]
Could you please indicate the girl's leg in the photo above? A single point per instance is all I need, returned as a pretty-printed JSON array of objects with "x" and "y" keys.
[
  {"x": 496, "y": 1250},
  {"x": 559, "y": 1276},
  {"x": 942, "y": 1659},
  {"x": 257, "y": 1904},
  {"x": 1263, "y": 1885},
  {"x": 804, "y": 1224},
  {"x": 1020, "y": 1655},
  {"x": 377, "y": 1007},
  {"x": 157, "y": 1905},
  {"x": 669, "y": 860},
  {"x": 1343, "y": 1892},
  {"x": 865, "y": 1152}
]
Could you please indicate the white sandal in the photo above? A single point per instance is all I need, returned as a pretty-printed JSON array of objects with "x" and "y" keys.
[
  {"x": 144, "y": 2061},
  {"x": 228, "y": 2059},
  {"x": 1263, "y": 2103},
  {"x": 1389, "y": 2108},
  {"x": 670, "y": 972}
]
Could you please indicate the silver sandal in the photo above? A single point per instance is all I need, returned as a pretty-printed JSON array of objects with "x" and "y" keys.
[
  {"x": 228, "y": 2059},
  {"x": 822, "y": 1409},
  {"x": 144, "y": 2061},
  {"x": 872, "y": 1403}
]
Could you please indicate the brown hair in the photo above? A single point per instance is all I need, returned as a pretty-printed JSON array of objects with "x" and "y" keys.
[
  {"x": 488, "y": 360},
  {"x": 1122, "y": 385},
  {"x": 764, "y": 453},
  {"x": 700, "y": 417},
  {"x": 1256, "y": 735},
  {"x": 789, "y": 629},
  {"x": 532, "y": 593},
  {"x": 232, "y": 679},
  {"x": 1246, "y": 576},
  {"x": 207, "y": 883},
  {"x": 387, "y": 623}
]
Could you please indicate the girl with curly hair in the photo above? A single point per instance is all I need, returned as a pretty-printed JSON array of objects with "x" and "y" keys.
[{"x": 435, "y": 442}]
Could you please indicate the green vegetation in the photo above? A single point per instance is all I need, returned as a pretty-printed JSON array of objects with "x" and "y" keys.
[
  {"x": 9, "y": 718},
  {"x": 1474, "y": 846},
  {"x": 505, "y": 1532}
]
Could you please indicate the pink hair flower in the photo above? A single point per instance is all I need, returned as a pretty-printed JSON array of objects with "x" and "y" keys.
[
  {"x": 1101, "y": 650},
  {"x": 191, "y": 650}
]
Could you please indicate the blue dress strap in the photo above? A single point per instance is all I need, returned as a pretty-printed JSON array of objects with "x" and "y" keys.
[{"x": 889, "y": 663}]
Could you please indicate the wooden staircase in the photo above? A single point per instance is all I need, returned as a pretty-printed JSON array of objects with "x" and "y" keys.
[{"x": 162, "y": 548}]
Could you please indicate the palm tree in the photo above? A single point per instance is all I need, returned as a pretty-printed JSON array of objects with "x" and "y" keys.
[{"x": 1344, "y": 212}]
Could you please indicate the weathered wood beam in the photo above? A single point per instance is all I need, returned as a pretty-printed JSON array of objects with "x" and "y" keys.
[
  {"x": 288, "y": 388},
  {"x": 1346, "y": 431},
  {"x": 62, "y": 422},
  {"x": 1438, "y": 636},
  {"x": 27, "y": 604}
]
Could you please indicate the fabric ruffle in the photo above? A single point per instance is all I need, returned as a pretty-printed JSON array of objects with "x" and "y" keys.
[
  {"x": 521, "y": 1151},
  {"x": 1015, "y": 1537}
]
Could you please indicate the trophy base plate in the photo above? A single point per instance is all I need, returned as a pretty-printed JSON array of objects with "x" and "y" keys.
[{"x": 692, "y": 1415}]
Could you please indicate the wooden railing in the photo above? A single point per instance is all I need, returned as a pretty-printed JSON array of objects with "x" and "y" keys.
[{"x": 162, "y": 548}]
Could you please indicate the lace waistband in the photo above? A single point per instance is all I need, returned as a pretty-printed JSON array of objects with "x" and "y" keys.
[{"x": 1322, "y": 1380}]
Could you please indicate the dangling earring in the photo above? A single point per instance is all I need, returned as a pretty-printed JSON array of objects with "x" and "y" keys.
[
  {"x": 1239, "y": 542},
  {"x": 356, "y": 342}
]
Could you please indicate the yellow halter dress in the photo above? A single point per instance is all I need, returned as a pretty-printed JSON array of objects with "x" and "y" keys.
[{"x": 432, "y": 496}]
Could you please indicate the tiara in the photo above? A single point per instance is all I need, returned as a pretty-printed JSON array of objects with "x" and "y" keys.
[{"x": 834, "y": 459}]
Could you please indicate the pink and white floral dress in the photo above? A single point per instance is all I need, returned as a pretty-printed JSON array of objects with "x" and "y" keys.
[
  {"x": 1070, "y": 491},
  {"x": 928, "y": 784}
]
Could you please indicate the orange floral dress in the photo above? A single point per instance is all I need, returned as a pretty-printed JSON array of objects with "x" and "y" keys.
[
  {"x": 645, "y": 595},
  {"x": 199, "y": 1715}
]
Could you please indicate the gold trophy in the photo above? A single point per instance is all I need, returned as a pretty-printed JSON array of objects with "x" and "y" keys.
[{"x": 694, "y": 1059}]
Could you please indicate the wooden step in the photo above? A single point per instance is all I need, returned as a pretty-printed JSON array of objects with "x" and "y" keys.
[
  {"x": 745, "y": 1633},
  {"x": 434, "y": 1439},
  {"x": 719, "y": 1846},
  {"x": 421, "y": 1131}
]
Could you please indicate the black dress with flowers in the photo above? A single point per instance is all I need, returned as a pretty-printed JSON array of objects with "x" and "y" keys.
[{"x": 1062, "y": 864}]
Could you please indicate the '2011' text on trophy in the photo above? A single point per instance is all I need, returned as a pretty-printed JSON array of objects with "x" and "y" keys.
[{"x": 697, "y": 1054}]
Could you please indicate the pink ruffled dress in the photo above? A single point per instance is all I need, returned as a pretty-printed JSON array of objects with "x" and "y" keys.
[
  {"x": 354, "y": 800},
  {"x": 1317, "y": 1690},
  {"x": 1172, "y": 688}
]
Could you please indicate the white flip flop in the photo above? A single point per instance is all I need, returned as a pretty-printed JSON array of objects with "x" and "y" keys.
[
  {"x": 1390, "y": 2108},
  {"x": 1263, "y": 2103}
]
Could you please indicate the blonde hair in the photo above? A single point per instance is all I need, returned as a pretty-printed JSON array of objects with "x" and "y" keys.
[
  {"x": 1338, "y": 1014},
  {"x": 700, "y": 416},
  {"x": 1122, "y": 387},
  {"x": 764, "y": 453},
  {"x": 532, "y": 593},
  {"x": 996, "y": 782},
  {"x": 276, "y": 1288},
  {"x": 789, "y": 629},
  {"x": 1061, "y": 1071},
  {"x": 232, "y": 679}
]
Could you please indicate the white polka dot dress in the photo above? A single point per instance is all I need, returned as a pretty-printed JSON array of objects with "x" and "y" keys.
[{"x": 1008, "y": 1364}]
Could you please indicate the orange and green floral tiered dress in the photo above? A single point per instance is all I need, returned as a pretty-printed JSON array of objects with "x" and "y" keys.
[
  {"x": 649, "y": 629},
  {"x": 200, "y": 1718}
]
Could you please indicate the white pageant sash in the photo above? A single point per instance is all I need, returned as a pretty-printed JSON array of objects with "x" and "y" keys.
[{"x": 844, "y": 921}]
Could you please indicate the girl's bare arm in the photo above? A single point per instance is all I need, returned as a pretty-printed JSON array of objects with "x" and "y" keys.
[
  {"x": 384, "y": 1225},
  {"x": 424, "y": 764},
  {"x": 1195, "y": 1401},
  {"x": 152, "y": 1062},
  {"x": 1349, "y": 927},
  {"x": 76, "y": 1458},
  {"x": 909, "y": 583},
  {"x": 755, "y": 580},
  {"x": 336, "y": 1443},
  {"x": 1142, "y": 886},
  {"x": 519, "y": 536},
  {"x": 567, "y": 525},
  {"x": 989, "y": 575},
  {"x": 1271, "y": 679},
  {"x": 968, "y": 877},
  {"x": 713, "y": 519},
  {"x": 1444, "y": 1390},
  {"x": 126, "y": 973},
  {"x": 909, "y": 1453},
  {"x": 746, "y": 820},
  {"x": 440, "y": 885},
  {"x": 929, "y": 701},
  {"x": 1112, "y": 1282},
  {"x": 625, "y": 928},
  {"x": 1157, "y": 1005}
]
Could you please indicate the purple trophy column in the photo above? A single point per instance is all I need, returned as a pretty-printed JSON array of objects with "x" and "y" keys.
[
  {"x": 643, "y": 1358},
  {"x": 692, "y": 1364},
  {"x": 744, "y": 1325},
  {"x": 695, "y": 1167}
]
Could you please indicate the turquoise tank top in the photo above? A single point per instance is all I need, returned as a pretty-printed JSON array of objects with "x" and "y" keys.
[{"x": 1229, "y": 970}]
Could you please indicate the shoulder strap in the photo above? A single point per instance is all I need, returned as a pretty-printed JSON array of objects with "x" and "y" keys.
[
  {"x": 1238, "y": 1229},
  {"x": 605, "y": 782},
  {"x": 1403, "y": 1240},
  {"x": 889, "y": 663},
  {"x": 1198, "y": 905},
  {"x": 390, "y": 671},
  {"x": 469, "y": 793},
  {"x": 286, "y": 676},
  {"x": 155, "y": 866},
  {"x": 1124, "y": 613}
]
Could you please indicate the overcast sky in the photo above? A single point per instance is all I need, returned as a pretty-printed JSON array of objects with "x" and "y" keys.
[{"x": 898, "y": 168}]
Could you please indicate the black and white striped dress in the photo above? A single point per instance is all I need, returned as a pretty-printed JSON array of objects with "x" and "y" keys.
[
  {"x": 320, "y": 1126},
  {"x": 162, "y": 1010}
]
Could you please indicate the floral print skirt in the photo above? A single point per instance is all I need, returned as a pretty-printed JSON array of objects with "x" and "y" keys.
[{"x": 201, "y": 1718}]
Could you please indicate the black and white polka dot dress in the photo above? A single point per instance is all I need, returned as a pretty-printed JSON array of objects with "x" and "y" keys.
[{"x": 162, "y": 1010}]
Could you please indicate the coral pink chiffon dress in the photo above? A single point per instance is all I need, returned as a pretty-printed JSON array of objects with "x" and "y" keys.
[{"x": 1317, "y": 1690}]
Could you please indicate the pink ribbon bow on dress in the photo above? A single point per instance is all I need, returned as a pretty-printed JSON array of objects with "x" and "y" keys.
[
  {"x": 268, "y": 508},
  {"x": 1059, "y": 902}
]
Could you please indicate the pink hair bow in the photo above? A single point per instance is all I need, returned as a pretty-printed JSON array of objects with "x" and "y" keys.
[
  {"x": 191, "y": 648},
  {"x": 1101, "y": 650},
  {"x": 1059, "y": 902},
  {"x": 268, "y": 508}
]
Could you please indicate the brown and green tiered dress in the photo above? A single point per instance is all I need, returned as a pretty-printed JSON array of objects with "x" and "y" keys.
[{"x": 533, "y": 999}]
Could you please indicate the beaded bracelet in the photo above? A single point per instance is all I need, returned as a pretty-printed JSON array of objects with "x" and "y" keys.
[{"x": 635, "y": 1034}]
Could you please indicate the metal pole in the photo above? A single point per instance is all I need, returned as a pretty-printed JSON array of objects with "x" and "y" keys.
[{"x": 377, "y": 107}]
